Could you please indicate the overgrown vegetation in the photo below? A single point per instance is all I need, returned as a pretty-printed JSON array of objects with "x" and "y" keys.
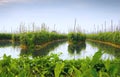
[
  {"x": 40, "y": 50},
  {"x": 52, "y": 66},
  {"x": 30, "y": 39},
  {"x": 113, "y": 37},
  {"x": 76, "y": 37},
  {"x": 16, "y": 37},
  {"x": 5, "y": 36}
]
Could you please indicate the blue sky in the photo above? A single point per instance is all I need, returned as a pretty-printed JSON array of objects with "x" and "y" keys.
[{"x": 59, "y": 12}]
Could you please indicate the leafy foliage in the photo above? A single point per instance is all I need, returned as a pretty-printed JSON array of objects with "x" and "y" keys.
[
  {"x": 58, "y": 69},
  {"x": 96, "y": 57},
  {"x": 31, "y": 39},
  {"x": 52, "y": 66},
  {"x": 76, "y": 37},
  {"x": 5, "y": 36},
  {"x": 113, "y": 37}
]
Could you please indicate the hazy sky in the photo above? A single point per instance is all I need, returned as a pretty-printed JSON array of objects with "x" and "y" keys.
[{"x": 59, "y": 12}]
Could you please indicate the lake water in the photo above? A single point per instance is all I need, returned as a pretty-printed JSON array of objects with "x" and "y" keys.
[
  {"x": 10, "y": 50},
  {"x": 63, "y": 49}
]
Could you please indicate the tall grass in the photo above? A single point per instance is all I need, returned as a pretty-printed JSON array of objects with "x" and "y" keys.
[
  {"x": 7, "y": 39},
  {"x": 11, "y": 37},
  {"x": 30, "y": 39},
  {"x": 76, "y": 37},
  {"x": 113, "y": 37},
  {"x": 5, "y": 36},
  {"x": 16, "y": 37}
]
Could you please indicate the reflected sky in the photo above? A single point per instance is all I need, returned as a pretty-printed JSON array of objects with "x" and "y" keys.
[
  {"x": 10, "y": 51},
  {"x": 59, "y": 12},
  {"x": 62, "y": 50},
  {"x": 89, "y": 51}
]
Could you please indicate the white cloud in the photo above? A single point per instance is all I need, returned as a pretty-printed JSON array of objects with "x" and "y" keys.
[{"x": 2, "y": 2}]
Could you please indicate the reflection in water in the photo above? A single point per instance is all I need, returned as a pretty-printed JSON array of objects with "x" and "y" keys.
[
  {"x": 9, "y": 49},
  {"x": 82, "y": 50},
  {"x": 14, "y": 52},
  {"x": 85, "y": 51},
  {"x": 106, "y": 49},
  {"x": 42, "y": 51},
  {"x": 72, "y": 48},
  {"x": 5, "y": 44},
  {"x": 106, "y": 56},
  {"x": 88, "y": 52}
]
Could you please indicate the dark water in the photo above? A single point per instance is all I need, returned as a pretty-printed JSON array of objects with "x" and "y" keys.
[{"x": 66, "y": 51}]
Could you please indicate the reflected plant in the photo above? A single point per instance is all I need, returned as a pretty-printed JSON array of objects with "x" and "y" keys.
[
  {"x": 76, "y": 47},
  {"x": 5, "y": 44},
  {"x": 106, "y": 48},
  {"x": 42, "y": 50}
]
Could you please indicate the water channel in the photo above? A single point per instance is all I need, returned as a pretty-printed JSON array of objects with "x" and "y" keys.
[{"x": 66, "y": 51}]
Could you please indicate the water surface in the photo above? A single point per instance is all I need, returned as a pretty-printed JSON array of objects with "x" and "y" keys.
[
  {"x": 14, "y": 52},
  {"x": 86, "y": 50},
  {"x": 66, "y": 51}
]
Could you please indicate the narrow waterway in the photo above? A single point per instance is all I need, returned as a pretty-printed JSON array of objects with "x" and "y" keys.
[
  {"x": 82, "y": 51},
  {"x": 66, "y": 51}
]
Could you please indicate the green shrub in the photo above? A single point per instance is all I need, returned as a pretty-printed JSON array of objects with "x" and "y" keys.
[
  {"x": 76, "y": 37},
  {"x": 39, "y": 38},
  {"x": 113, "y": 37},
  {"x": 5, "y": 36}
]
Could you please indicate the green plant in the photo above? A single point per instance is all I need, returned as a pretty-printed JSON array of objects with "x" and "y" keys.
[
  {"x": 5, "y": 36},
  {"x": 113, "y": 37},
  {"x": 76, "y": 37},
  {"x": 52, "y": 66},
  {"x": 31, "y": 39}
]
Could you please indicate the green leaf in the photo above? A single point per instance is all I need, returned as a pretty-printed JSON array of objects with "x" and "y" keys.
[
  {"x": 77, "y": 72},
  {"x": 103, "y": 74},
  {"x": 107, "y": 64},
  {"x": 113, "y": 69},
  {"x": 22, "y": 74},
  {"x": 70, "y": 71},
  {"x": 58, "y": 69},
  {"x": 96, "y": 57},
  {"x": 90, "y": 72}
]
